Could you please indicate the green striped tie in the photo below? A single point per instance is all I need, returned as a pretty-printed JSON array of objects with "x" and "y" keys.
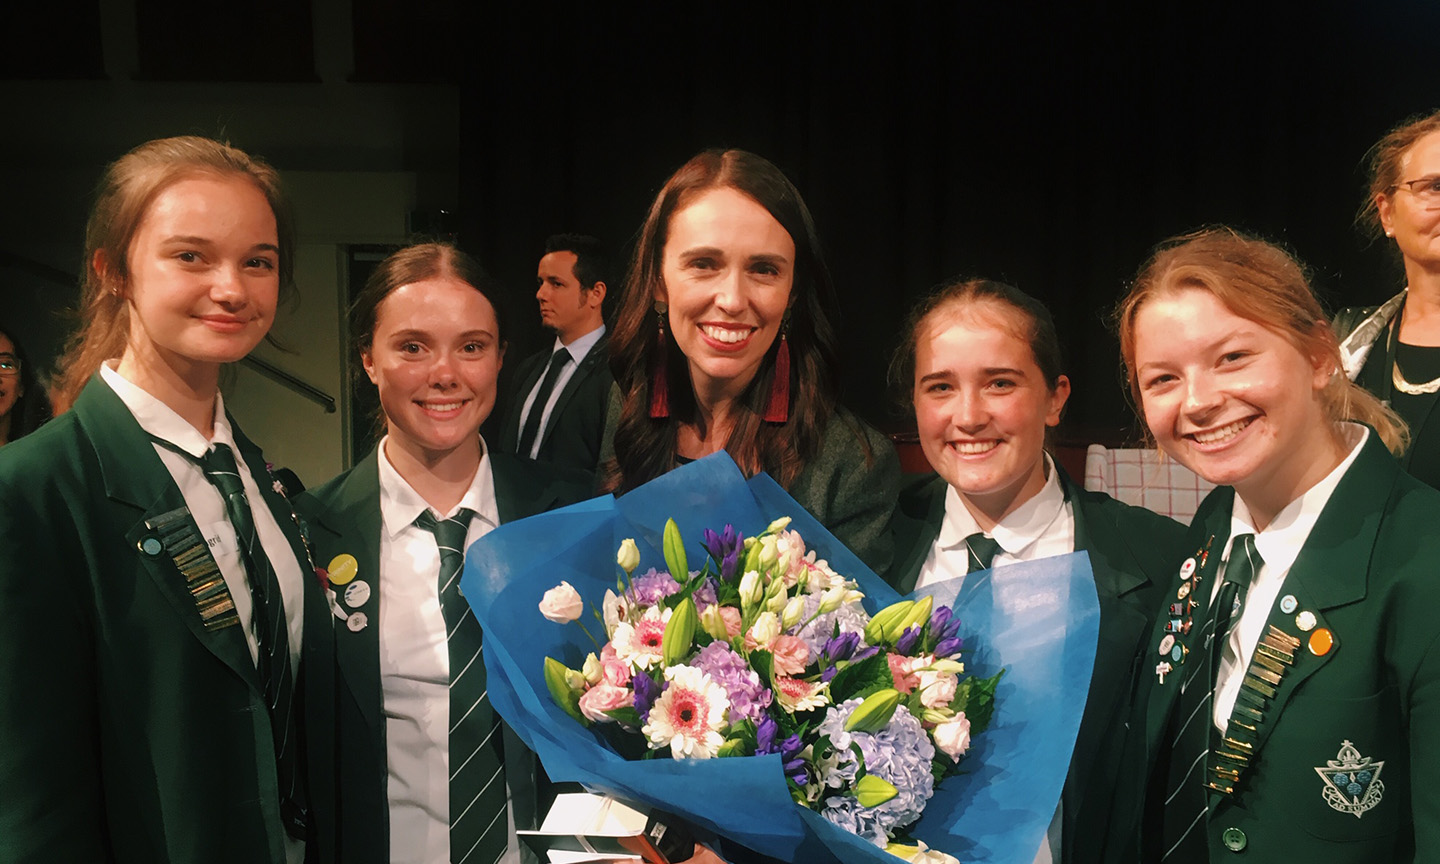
[{"x": 478, "y": 830}]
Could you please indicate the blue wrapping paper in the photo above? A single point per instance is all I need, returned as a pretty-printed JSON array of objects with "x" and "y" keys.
[{"x": 1039, "y": 620}]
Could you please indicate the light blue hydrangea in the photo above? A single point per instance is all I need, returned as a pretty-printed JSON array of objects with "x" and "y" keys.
[
  {"x": 851, "y": 618},
  {"x": 900, "y": 753}
]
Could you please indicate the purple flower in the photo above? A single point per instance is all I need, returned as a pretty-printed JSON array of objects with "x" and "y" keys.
[
  {"x": 652, "y": 587},
  {"x": 901, "y": 753},
  {"x": 839, "y": 648},
  {"x": 948, "y": 647},
  {"x": 705, "y": 594},
  {"x": 789, "y": 749},
  {"x": 749, "y": 697},
  {"x": 725, "y": 549},
  {"x": 646, "y": 692},
  {"x": 907, "y": 641},
  {"x": 765, "y": 732}
]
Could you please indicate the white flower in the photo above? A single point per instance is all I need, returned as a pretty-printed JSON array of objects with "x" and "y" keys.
[
  {"x": 794, "y": 611},
  {"x": 953, "y": 736},
  {"x": 615, "y": 609},
  {"x": 640, "y": 644},
  {"x": 592, "y": 670},
  {"x": 936, "y": 689},
  {"x": 751, "y": 590},
  {"x": 689, "y": 715},
  {"x": 778, "y": 525},
  {"x": 562, "y": 604},
  {"x": 764, "y": 630},
  {"x": 628, "y": 556}
]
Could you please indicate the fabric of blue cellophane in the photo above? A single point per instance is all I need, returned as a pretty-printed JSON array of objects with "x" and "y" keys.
[{"x": 1038, "y": 620}]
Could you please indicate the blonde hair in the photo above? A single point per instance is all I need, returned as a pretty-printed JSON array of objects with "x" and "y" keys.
[
  {"x": 122, "y": 198},
  {"x": 1261, "y": 282}
]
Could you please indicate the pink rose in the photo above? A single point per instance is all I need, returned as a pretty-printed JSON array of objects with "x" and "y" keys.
[
  {"x": 953, "y": 736},
  {"x": 604, "y": 697},
  {"x": 615, "y": 672},
  {"x": 900, "y": 672},
  {"x": 731, "y": 616},
  {"x": 562, "y": 604},
  {"x": 791, "y": 654}
]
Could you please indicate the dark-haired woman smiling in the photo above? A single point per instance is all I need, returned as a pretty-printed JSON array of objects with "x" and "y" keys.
[{"x": 724, "y": 341}]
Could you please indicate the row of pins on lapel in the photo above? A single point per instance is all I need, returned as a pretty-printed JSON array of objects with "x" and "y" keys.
[
  {"x": 203, "y": 579},
  {"x": 1273, "y": 657}
]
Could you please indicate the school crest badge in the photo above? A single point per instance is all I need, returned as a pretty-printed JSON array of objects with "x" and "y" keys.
[{"x": 1352, "y": 782}]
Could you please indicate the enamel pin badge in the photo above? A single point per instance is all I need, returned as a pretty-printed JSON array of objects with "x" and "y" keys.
[{"x": 1352, "y": 782}]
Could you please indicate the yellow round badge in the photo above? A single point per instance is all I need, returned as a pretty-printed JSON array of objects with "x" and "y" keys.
[{"x": 343, "y": 568}]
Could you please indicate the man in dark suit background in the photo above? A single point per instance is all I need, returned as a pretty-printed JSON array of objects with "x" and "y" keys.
[{"x": 556, "y": 409}]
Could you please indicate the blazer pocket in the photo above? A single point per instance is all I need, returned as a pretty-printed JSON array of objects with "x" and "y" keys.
[{"x": 1350, "y": 764}]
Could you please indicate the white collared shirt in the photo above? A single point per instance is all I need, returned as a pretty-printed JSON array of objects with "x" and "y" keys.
[
  {"x": 1042, "y": 527},
  {"x": 1279, "y": 545},
  {"x": 207, "y": 507},
  {"x": 578, "y": 351},
  {"x": 415, "y": 661}
]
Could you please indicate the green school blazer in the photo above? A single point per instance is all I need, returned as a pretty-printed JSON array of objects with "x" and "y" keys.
[
  {"x": 1368, "y": 578},
  {"x": 344, "y": 517},
  {"x": 129, "y": 732},
  {"x": 1132, "y": 551}
]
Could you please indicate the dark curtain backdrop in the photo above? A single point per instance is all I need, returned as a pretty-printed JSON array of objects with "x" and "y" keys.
[{"x": 1048, "y": 147}]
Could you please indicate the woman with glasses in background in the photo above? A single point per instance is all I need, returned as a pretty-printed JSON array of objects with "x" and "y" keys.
[
  {"x": 23, "y": 403},
  {"x": 1394, "y": 350}
]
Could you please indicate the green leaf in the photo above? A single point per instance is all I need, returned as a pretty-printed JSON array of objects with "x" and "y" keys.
[
  {"x": 626, "y": 716},
  {"x": 762, "y": 662},
  {"x": 976, "y": 697},
  {"x": 861, "y": 679}
]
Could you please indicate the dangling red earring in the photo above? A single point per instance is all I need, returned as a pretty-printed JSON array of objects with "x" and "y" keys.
[
  {"x": 778, "y": 408},
  {"x": 660, "y": 372}
]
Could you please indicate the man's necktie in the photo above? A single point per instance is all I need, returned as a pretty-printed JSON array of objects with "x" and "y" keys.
[
  {"x": 478, "y": 828},
  {"x": 272, "y": 636},
  {"x": 531, "y": 431},
  {"x": 1191, "y": 727},
  {"x": 981, "y": 550}
]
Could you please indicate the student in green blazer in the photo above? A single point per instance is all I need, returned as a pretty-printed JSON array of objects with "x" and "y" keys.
[
  {"x": 981, "y": 366},
  {"x": 154, "y": 625},
  {"x": 430, "y": 337},
  {"x": 1294, "y": 717}
]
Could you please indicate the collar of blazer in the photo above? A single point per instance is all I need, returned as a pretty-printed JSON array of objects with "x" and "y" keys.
[
  {"x": 919, "y": 519},
  {"x": 134, "y": 476},
  {"x": 597, "y": 357},
  {"x": 349, "y": 514},
  {"x": 1332, "y": 570}
]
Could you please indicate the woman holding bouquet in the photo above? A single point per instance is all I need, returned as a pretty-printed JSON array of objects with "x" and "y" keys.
[
  {"x": 423, "y": 774},
  {"x": 1394, "y": 350},
  {"x": 1298, "y": 720},
  {"x": 982, "y": 365},
  {"x": 724, "y": 341},
  {"x": 155, "y": 596}
]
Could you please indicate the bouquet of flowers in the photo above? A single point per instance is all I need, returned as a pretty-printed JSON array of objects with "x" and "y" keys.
[
  {"x": 846, "y": 699},
  {"x": 766, "y": 649}
]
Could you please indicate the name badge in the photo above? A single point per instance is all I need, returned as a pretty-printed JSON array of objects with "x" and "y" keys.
[{"x": 220, "y": 538}]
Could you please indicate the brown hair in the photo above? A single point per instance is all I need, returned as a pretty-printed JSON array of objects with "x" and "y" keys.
[
  {"x": 1039, "y": 329},
  {"x": 1261, "y": 282},
  {"x": 645, "y": 447},
  {"x": 416, "y": 264},
  {"x": 1383, "y": 160},
  {"x": 122, "y": 199}
]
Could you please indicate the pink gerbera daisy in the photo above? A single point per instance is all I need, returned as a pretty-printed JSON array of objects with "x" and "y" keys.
[
  {"x": 794, "y": 694},
  {"x": 639, "y": 644},
  {"x": 689, "y": 715}
]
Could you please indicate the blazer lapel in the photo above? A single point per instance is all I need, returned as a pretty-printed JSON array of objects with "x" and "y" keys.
[
  {"x": 135, "y": 477},
  {"x": 529, "y": 372},
  {"x": 1330, "y": 572},
  {"x": 598, "y": 352},
  {"x": 917, "y": 524},
  {"x": 352, "y": 524}
]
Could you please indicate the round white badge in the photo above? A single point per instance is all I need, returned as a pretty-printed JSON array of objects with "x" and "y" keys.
[
  {"x": 357, "y": 622},
  {"x": 1187, "y": 569},
  {"x": 356, "y": 593},
  {"x": 1167, "y": 643}
]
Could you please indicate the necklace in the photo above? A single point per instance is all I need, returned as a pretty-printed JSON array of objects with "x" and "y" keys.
[{"x": 1404, "y": 386}]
